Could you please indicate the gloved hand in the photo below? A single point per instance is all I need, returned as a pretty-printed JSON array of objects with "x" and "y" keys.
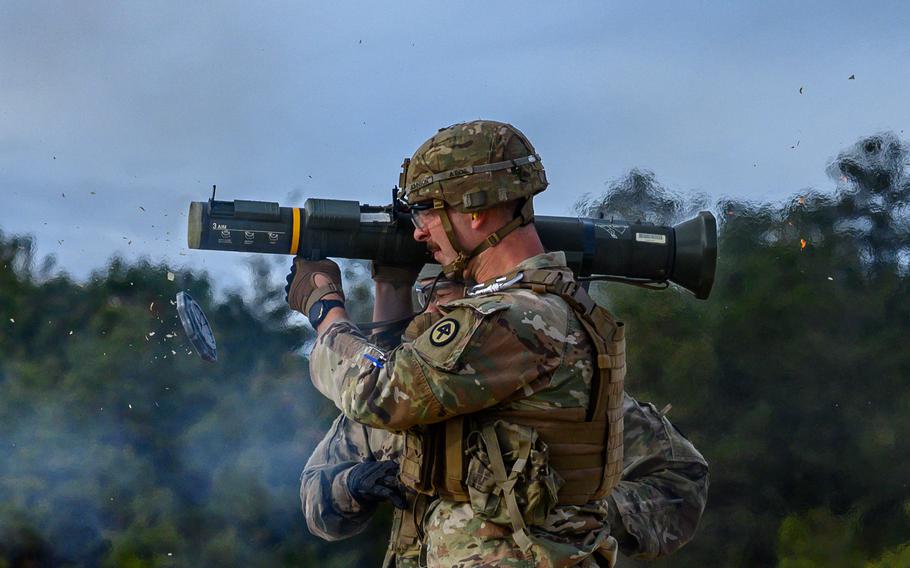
[
  {"x": 374, "y": 481},
  {"x": 398, "y": 275},
  {"x": 302, "y": 292}
]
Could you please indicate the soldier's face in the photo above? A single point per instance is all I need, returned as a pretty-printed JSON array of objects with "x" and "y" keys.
[{"x": 433, "y": 234}]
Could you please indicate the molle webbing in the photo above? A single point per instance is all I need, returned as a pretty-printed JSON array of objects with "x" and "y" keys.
[
  {"x": 576, "y": 448},
  {"x": 585, "y": 445},
  {"x": 604, "y": 415}
]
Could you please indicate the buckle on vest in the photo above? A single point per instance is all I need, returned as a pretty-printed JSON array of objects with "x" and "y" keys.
[{"x": 497, "y": 285}]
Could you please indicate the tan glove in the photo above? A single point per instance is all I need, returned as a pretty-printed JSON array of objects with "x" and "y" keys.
[{"x": 302, "y": 291}]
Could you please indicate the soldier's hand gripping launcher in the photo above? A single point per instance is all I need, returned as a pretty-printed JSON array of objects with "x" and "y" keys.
[{"x": 600, "y": 249}]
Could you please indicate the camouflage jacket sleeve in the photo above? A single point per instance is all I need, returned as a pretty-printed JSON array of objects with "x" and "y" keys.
[
  {"x": 330, "y": 510},
  {"x": 658, "y": 503},
  {"x": 479, "y": 354}
]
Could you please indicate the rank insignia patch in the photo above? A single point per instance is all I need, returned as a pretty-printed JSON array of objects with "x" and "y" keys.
[{"x": 443, "y": 332}]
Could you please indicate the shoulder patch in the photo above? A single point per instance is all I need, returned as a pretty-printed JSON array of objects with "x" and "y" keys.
[
  {"x": 441, "y": 345},
  {"x": 444, "y": 331}
]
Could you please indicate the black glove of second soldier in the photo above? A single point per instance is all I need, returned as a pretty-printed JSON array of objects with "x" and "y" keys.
[{"x": 374, "y": 481}]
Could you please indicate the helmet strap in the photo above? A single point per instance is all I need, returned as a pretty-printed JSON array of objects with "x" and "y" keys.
[{"x": 455, "y": 269}]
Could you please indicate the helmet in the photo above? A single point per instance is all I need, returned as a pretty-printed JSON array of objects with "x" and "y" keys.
[
  {"x": 469, "y": 167},
  {"x": 473, "y": 166}
]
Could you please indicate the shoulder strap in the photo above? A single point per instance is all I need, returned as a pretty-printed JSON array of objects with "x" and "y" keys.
[{"x": 608, "y": 337}]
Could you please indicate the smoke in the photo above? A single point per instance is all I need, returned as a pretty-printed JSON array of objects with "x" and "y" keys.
[
  {"x": 869, "y": 205},
  {"x": 875, "y": 166},
  {"x": 120, "y": 445},
  {"x": 639, "y": 197}
]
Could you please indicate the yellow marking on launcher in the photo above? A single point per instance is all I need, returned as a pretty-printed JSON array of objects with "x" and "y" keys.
[{"x": 295, "y": 235}]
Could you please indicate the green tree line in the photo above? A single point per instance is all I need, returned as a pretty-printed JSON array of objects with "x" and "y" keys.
[{"x": 122, "y": 448}]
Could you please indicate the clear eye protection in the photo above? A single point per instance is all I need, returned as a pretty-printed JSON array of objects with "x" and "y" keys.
[
  {"x": 421, "y": 214},
  {"x": 428, "y": 293}
]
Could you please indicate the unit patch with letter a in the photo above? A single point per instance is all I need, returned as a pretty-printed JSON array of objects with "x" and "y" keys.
[{"x": 443, "y": 332}]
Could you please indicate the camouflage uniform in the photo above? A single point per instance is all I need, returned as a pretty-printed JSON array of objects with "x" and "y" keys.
[
  {"x": 653, "y": 512},
  {"x": 515, "y": 350}
]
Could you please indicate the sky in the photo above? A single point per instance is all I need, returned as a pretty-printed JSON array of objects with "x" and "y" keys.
[{"x": 115, "y": 115}]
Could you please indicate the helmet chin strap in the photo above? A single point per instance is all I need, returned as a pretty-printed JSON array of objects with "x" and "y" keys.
[{"x": 455, "y": 269}]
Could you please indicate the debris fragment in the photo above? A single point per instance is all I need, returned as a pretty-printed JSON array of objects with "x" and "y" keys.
[
  {"x": 831, "y": 278},
  {"x": 802, "y": 244},
  {"x": 152, "y": 305},
  {"x": 141, "y": 207},
  {"x": 71, "y": 332},
  {"x": 151, "y": 334},
  {"x": 802, "y": 200},
  {"x": 131, "y": 407},
  {"x": 11, "y": 320},
  {"x": 170, "y": 276}
]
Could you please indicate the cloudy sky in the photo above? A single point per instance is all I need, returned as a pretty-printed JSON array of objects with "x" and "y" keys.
[{"x": 115, "y": 115}]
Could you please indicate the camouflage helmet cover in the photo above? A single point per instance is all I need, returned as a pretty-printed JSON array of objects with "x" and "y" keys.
[{"x": 473, "y": 166}]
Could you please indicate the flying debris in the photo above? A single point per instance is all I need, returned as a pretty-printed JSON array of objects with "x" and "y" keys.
[{"x": 197, "y": 327}]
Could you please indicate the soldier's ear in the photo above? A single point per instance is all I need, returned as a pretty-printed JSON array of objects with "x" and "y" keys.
[{"x": 478, "y": 218}]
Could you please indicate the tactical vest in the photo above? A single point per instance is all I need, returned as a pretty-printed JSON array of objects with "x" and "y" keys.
[{"x": 584, "y": 444}]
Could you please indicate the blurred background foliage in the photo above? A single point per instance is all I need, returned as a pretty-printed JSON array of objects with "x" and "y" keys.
[{"x": 122, "y": 448}]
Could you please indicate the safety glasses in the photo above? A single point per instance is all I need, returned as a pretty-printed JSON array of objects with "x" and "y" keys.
[
  {"x": 421, "y": 214},
  {"x": 445, "y": 291}
]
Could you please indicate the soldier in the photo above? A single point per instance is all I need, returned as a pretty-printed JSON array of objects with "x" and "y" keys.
[
  {"x": 653, "y": 511},
  {"x": 511, "y": 405}
]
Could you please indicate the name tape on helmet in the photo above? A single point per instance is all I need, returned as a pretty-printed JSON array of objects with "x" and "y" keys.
[{"x": 469, "y": 170}]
